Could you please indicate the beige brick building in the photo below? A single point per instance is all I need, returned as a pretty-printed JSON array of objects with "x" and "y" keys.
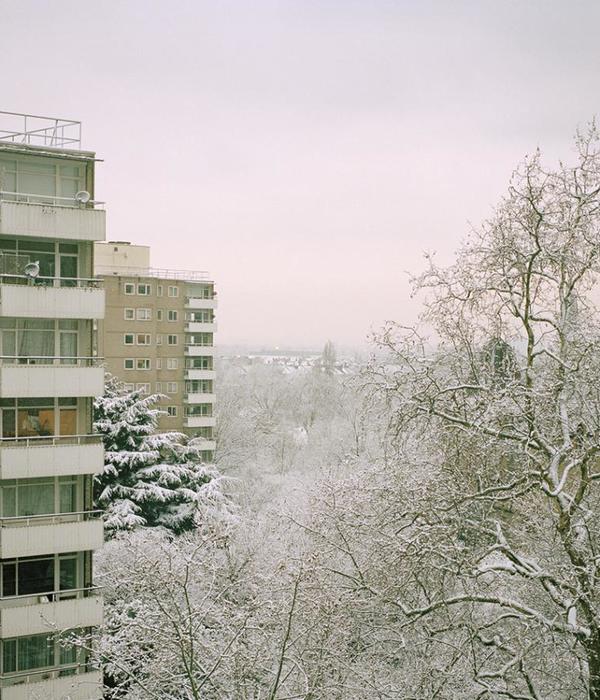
[{"x": 158, "y": 335}]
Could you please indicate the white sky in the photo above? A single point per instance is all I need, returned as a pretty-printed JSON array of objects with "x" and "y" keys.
[{"x": 305, "y": 152}]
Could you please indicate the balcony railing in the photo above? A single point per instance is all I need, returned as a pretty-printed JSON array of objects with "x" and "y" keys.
[
  {"x": 77, "y": 282},
  {"x": 51, "y": 518},
  {"x": 201, "y": 296},
  {"x": 18, "y": 601},
  {"x": 45, "y": 200},
  {"x": 49, "y": 440},
  {"x": 46, "y": 361},
  {"x": 46, "y": 674}
]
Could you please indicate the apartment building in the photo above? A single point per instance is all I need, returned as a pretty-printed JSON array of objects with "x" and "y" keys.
[
  {"x": 158, "y": 336},
  {"x": 49, "y": 302}
]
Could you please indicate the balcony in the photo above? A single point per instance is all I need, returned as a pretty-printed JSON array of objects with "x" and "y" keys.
[
  {"x": 204, "y": 444},
  {"x": 63, "y": 610},
  {"x": 51, "y": 217},
  {"x": 47, "y": 297},
  {"x": 199, "y": 421},
  {"x": 200, "y": 303},
  {"x": 194, "y": 397},
  {"x": 68, "y": 377},
  {"x": 72, "y": 682},
  {"x": 199, "y": 350},
  {"x": 191, "y": 373},
  {"x": 69, "y": 455},
  {"x": 28, "y": 536},
  {"x": 198, "y": 327}
]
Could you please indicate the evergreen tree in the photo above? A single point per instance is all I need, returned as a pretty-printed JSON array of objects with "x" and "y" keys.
[
  {"x": 328, "y": 358},
  {"x": 500, "y": 362},
  {"x": 149, "y": 479}
]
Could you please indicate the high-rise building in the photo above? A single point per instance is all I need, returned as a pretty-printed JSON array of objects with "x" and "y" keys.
[
  {"x": 158, "y": 336},
  {"x": 49, "y": 302}
]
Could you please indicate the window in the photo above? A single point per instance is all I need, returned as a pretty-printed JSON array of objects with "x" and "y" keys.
[
  {"x": 158, "y": 363},
  {"x": 200, "y": 409},
  {"x": 205, "y": 432},
  {"x": 172, "y": 411},
  {"x": 172, "y": 315},
  {"x": 144, "y": 290},
  {"x": 158, "y": 387},
  {"x": 27, "y": 653},
  {"x": 171, "y": 387},
  {"x": 129, "y": 288},
  {"x": 172, "y": 339},
  {"x": 144, "y": 314},
  {"x": 159, "y": 314},
  {"x": 143, "y": 339},
  {"x": 128, "y": 387},
  {"x": 159, "y": 339},
  {"x": 202, "y": 362},
  {"x": 143, "y": 387},
  {"x": 142, "y": 363},
  {"x": 44, "y": 574},
  {"x": 200, "y": 316},
  {"x": 129, "y": 314},
  {"x": 159, "y": 290},
  {"x": 205, "y": 339},
  {"x": 24, "y": 497},
  {"x": 200, "y": 291},
  {"x": 199, "y": 386},
  {"x": 173, "y": 291},
  {"x": 38, "y": 417},
  {"x": 128, "y": 363},
  {"x": 41, "y": 651},
  {"x": 172, "y": 363},
  {"x": 128, "y": 339}
]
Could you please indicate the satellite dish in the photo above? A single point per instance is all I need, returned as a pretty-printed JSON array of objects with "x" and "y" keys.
[
  {"x": 82, "y": 197},
  {"x": 32, "y": 269}
]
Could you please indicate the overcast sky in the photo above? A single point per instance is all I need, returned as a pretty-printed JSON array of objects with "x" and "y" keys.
[{"x": 306, "y": 153}]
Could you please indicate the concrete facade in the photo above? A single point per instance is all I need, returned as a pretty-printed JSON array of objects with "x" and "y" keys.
[{"x": 49, "y": 302}]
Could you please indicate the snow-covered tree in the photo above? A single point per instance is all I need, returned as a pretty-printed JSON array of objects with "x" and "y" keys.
[
  {"x": 480, "y": 545},
  {"x": 150, "y": 479}
]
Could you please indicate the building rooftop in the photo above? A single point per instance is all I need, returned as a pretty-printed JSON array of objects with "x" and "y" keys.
[
  {"x": 162, "y": 273},
  {"x": 36, "y": 130},
  {"x": 125, "y": 259}
]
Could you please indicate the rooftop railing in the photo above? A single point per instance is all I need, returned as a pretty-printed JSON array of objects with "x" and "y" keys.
[
  {"x": 161, "y": 273},
  {"x": 37, "y": 130}
]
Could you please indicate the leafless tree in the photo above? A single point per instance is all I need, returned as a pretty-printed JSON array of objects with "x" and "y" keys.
[{"x": 482, "y": 544}]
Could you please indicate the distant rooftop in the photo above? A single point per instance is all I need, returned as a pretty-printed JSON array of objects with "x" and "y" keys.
[{"x": 35, "y": 130}]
